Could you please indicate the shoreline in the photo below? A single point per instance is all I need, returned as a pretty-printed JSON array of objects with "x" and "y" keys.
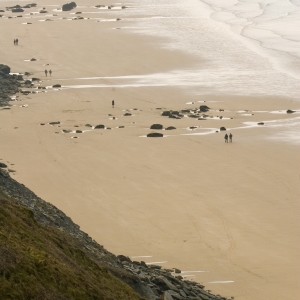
[{"x": 184, "y": 200}]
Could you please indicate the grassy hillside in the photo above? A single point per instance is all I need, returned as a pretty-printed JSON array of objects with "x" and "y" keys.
[{"x": 38, "y": 262}]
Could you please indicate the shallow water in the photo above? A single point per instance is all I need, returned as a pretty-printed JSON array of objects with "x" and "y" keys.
[{"x": 249, "y": 47}]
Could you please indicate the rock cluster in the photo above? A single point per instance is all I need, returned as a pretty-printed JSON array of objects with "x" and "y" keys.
[
  {"x": 162, "y": 284},
  {"x": 151, "y": 282},
  {"x": 9, "y": 84}
]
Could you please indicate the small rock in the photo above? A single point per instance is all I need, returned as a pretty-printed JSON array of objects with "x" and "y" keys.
[
  {"x": 289, "y": 111},
  {"x": 204, "y": 108},
  {"x": 33, "y": 59},
  {"x": 170, "y": 128}
]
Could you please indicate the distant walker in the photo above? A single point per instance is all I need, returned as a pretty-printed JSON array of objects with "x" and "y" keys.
[
  {"x": 226, "y": 138},
  {"x": 113, "y": 103}
]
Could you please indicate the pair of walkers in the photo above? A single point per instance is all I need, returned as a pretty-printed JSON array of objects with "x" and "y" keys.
[
  {"x": 46, "y": 72},
  {"x": 228, "y": 136}
]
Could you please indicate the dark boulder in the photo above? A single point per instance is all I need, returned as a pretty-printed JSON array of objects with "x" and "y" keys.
[
  {"x": 17, "y": 10},
  {"x": 289, "y": 111},
  {"x": 100, "y": 126},
  {"x": 156, "y": 126},
  {"x": 2, "y": 165},
  {"x": 56, "y": 85},
  {"x": 88, "y": 125},
  {"x": 222, "y": 128},
  {"x": 33, "y": 59},
  {"x": 54, "y": 123},
  {"x": 166, "y": 113},
  {"x": 124, "y": 258},
  {"x": 69, "y": 6},
  {"x": 4, "y": 69},
  {"x": 127, "y": 114},
  {"x": 170, "y": 128},
  {"x": 261, "y": 123},
  {"x": 78, "y": 131},
  {"x": 155, "y": 134},
  {"x": 204, "y": 108}
]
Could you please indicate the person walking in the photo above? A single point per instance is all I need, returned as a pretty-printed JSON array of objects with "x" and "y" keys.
[
  {"x": 14, "y": 42},
  {"x": 226, "y": 138},
  {"x": 46, "y": 72},
  {"x": 230, "y": 138},
  {"x": 50, "y": 72},
  {"x": 113, "y": 103},
  {"x": 17, "y": 41}
]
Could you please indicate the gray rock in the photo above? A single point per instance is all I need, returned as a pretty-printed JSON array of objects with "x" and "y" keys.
[
  {"x": 166, "y": 296},
  {"x": 3, "y": 165},
  {"x": 165, "y": 284},
  {"x": 222, "y": 128}
]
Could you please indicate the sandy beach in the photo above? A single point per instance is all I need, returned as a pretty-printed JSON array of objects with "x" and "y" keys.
[{"x": 227, "y": 215}]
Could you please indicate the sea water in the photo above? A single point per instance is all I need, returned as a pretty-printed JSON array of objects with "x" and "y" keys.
[{"x": 247, "y": 47}]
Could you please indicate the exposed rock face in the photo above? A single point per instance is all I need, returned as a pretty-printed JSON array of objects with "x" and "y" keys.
[
  {"x": 156, "y": 126},
  {"x": 69, "y": 6},
  {"x": 155, "y": 134},
  {"x": 2, "y": 165}
]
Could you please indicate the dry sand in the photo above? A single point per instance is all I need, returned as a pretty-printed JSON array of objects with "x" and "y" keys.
[{"x": 186, "y": 201}]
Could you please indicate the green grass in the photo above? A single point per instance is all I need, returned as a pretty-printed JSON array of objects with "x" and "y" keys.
[{"x": 38, "y": 262}]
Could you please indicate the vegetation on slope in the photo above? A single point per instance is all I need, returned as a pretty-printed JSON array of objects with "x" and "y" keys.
[{"x": 42, "y": 262}]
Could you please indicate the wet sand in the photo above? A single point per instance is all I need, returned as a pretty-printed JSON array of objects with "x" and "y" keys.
[{"x": 187, "y": 200}]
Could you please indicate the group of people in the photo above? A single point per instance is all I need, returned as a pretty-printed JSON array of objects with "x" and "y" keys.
[
  {"x": 16, "y": 41},
  {"x": 46, "y": 72},
  {"x": 228, "y": 136}
]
